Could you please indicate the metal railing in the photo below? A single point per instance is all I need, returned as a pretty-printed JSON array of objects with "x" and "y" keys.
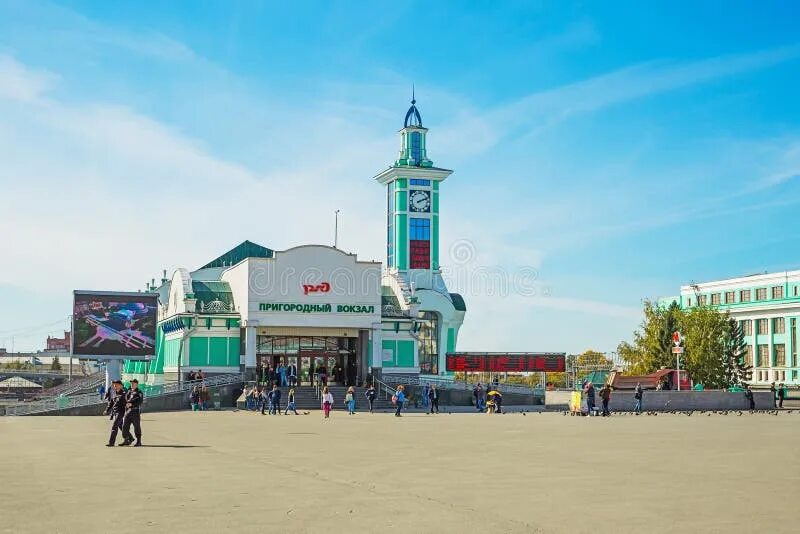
[
  {"x": 77, "y": 401},
  {"x": 445, "y": 383},
  {"x": 86, "y": 382}
]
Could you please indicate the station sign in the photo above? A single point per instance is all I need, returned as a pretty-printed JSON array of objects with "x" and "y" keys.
[{"x": 527, "y": 362}]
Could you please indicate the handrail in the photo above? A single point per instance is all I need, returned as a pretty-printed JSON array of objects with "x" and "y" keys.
[
  {"x": 61, "y": 403},
  {"x": 445, "y": 383}
]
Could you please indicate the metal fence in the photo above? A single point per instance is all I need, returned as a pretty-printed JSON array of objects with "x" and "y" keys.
[{"x": 90, "y": 399}]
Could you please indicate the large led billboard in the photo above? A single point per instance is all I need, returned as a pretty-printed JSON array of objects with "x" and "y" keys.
[
  {"x": 528, "y": 362},
  {"x": 113, "y": 324}
]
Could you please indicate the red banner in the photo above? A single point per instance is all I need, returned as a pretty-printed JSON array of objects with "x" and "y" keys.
[{"x": 473, "y": 362}]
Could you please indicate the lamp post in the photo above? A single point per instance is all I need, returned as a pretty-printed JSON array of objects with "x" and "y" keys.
[{"x": 336, "y": 230}]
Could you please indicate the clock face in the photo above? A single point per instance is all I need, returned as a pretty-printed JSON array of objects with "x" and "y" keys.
[{"x": 419, "y": 201}]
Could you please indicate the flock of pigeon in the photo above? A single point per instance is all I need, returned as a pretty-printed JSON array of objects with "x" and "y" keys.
[{"x": 708, "y": 413}]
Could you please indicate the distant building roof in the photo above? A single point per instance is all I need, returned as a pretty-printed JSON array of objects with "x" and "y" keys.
[
  {"x": 246, "y": 249},
  {"x": 18, "y": 382}
]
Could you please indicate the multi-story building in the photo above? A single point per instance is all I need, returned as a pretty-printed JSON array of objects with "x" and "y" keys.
[
  {"x": 767, "y": 307},
  {"x": 59, "y": 343}
]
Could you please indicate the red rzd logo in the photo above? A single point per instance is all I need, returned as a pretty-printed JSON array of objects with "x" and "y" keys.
[{"x": 324, "y": 287}]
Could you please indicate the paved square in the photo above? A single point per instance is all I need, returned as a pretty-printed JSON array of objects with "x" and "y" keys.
[{"x": 243, "y": 472}]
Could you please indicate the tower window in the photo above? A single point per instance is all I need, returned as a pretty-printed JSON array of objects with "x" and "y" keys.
[
  {"x": 420, "y": 228},
  {"x": 416, "y": 146},
  {"x": 418, "y": 181}
]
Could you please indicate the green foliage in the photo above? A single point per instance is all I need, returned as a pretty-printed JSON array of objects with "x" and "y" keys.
[
  {"x": 56, "y": 365},
  {"x": 713, "y": 345},
  {"x": 652, "y": 345}
]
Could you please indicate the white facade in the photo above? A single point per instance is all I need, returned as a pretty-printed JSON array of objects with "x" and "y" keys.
[
  {"x": 306, "y": 290},
  {"x": 767, "y": 307}
]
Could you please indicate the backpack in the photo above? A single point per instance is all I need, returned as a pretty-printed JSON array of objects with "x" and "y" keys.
[{"x": 394, "y": 399}]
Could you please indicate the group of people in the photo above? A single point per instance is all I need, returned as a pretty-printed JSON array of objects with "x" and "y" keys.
[
  {"x": 489, "y": 400},
  {"x": 268, "y": 400},
  {"x": 200, "y": 398},
  {"x": 124, "y": 408},
  {"x": 195, "y": 376},
  {"x": 282, "y": 375},
  {"x": 589, "y": 393}
]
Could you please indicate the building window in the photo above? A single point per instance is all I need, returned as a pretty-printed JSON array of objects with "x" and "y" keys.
[
  {"x": 701, "y": 300},
  {"x": 763, "y": 356},
  {"x": 428, "y": 344},
  {"x": 762, "y": 327},
  {"x": 761, "y": 293},
  {"x": 748, "y": 355},
  {"x": 715, "y": 299},
  {"x": 778, "y": 325},
  {"x": 418, "y": 181},
  {"x": 777, "y": 292},
  {"x": 793, "y": 333},
  {"x": 795, "y": 290},
  {"x": 747, "y": 327},
  {"x": 744, "y": 295},
  {"x": 730, "y": 297},
  {"x": 780, "y": 355},
  {"x": 416, "y": 146},
  {"x": 689, "y": 302},
  {"x": 420, "y": 228}
]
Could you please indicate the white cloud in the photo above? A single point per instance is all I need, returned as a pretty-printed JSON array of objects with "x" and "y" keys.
[{"x": 20, "y": 83}]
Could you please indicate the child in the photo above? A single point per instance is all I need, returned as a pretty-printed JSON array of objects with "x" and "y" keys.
[
  {"x": 290, "y": 403},
  {"x": 350, "y": 401},
  {"x": 327, "y": 401}
]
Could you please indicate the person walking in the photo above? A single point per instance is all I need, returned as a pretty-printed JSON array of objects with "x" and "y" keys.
[
  {"x": 371, "y": 394},
  {"x": 281, "y": 374},
  {"x": 275, "y": 401},
  {"x": 433, "y": 398},
  {"x": 116, "y": 409},
  {"x": 781, "y": 394},
  {"x": 350, "y": 401},
  {"x": 637, "y": 394},
  {"x": 263, "y": 400},
  {"x": 205, "y": 397},
  {"x": 748, "y": 394},
  {"x": 327, "y": 402},
  {"x": 133, "y": 416},
  {"x": 426, "y": 397},
  {"x": 399, "y": 398},
  {"x": 477, "y": 398},
  {"x": 195, "y": 398},
  {"x": 290, "y": 403},
  {"x": 774, "y": 395},
  {"x": 291, "y": 374},
  {"x": 605, "y": 395},
  {"x": 589, "y": 389}
]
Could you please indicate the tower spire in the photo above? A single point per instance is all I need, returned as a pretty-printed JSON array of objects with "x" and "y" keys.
[{"x": 413, "y": 98}]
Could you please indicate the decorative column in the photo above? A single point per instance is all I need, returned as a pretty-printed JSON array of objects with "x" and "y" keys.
[{"x": 250, "y": 350}]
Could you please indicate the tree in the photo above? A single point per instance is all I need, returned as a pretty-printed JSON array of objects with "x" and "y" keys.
[
  {"x": 56, "y": 365},
  {"x": 652, "y": 344},
  {"x": 713, "y": 345},
  {"x": 737, "y": 370}
]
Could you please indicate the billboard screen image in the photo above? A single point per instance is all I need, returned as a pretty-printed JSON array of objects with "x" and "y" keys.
[
  {"x": 114, "y": 324},
  {"x": 506, "y": 363}
]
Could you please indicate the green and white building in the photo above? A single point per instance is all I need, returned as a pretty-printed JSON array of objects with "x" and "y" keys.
[
  {"x": 313, "y": 305},
  {"x": 767, "y": 307}
]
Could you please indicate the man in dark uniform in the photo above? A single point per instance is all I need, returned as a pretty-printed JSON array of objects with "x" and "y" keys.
[
  {"x": 133, "y": 404},
  {"x": 116, "y": 409}
]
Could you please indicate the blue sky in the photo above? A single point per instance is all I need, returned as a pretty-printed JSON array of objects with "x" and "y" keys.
[{"x": 617, "y": 150}]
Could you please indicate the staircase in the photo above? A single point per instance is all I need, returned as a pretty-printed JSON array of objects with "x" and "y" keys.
[{"x": 83, "y": 385}]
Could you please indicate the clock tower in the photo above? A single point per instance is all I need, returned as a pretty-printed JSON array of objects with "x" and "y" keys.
[
  {"x": 412, "y": 199},
  {"x": 420, "y": 317}
]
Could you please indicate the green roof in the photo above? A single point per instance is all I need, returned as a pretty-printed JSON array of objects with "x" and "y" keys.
[
  {"x": 246, "y": 249},
  {"x": 458, "y": 302},
  {"x": 213, "y": 297}
]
